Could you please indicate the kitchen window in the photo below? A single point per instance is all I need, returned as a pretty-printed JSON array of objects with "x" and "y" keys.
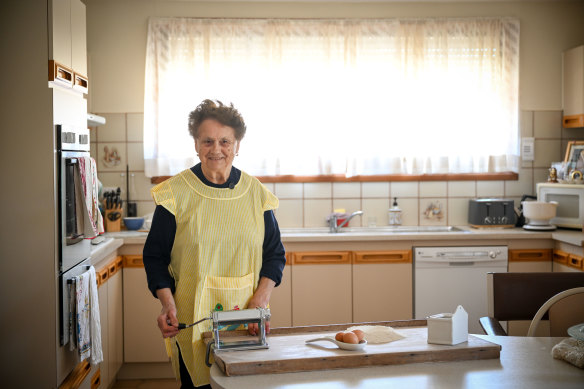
[{"x": 343, "y": 97}]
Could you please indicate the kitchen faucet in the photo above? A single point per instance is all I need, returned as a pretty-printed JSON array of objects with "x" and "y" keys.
[{"x": 333, "y": 221}]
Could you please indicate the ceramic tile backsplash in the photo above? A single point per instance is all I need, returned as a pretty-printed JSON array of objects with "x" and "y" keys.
[{"x": 308, "y": 204}]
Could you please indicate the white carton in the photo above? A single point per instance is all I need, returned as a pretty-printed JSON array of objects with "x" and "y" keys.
[{"x": 448, "y": 328}]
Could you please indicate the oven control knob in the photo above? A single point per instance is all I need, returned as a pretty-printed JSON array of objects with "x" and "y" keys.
[{"x": 488, "y": 220}]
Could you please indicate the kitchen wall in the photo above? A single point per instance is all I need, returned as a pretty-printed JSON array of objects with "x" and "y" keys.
[{"x": 116, "y": 47}]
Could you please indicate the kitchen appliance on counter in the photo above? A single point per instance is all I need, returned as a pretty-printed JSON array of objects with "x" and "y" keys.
[
  {"x": 490, "y": 212},
  {"x": 446, "y": 277},
  {"x": 539, "y": 214},
  {"x": 570, "y": 199}
]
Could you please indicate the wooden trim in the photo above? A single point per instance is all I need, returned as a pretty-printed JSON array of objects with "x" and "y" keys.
[
  {"x": 80, "y": 83},
  {"x": 561, "y": 257},
  {"x": 133, "y": 261},
  {"x": 393, "y": 256},
  {"x": 321, "y": 257},
  {"x": 76, "y": 377},
  {"x": 505, "y": 176},
  {"x": 530, "y": 255},
  {"x": 96, "y": 379},
  {"x": 288, "y": 259},
  {"x": 119, "y": 261},
  {"x": 112, "y": 268},
  {"x": 573, "y": 121},
  {"x": 60, "y": 74},
  {"x": 575, "y": 261}
]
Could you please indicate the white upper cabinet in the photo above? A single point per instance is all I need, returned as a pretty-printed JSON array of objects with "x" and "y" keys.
[
  {"x": 67, "y": 35},
  {"x": 573, "y": 88}
]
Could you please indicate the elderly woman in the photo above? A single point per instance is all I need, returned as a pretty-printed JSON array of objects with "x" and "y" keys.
[{"x": 214, "y": 243}]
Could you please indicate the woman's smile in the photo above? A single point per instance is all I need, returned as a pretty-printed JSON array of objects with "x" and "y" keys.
[{"x": 216, "y": 146}]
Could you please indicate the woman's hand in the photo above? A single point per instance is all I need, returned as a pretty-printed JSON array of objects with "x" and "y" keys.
[
  {"x": 167, "y": 321},
  {"x": 260, "y": 299}
]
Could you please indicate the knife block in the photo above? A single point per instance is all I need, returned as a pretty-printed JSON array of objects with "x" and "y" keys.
[{"x": 115, "y": 225}]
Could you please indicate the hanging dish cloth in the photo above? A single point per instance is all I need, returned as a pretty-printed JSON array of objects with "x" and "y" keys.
[
  {"x": 93, "y": 221},
  {"x": 88, "y": 323}
]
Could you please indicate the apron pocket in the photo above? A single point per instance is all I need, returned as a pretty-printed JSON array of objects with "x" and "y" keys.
[{"x": 223, "y": 294}]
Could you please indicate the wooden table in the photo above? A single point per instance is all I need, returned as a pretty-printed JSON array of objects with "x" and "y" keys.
[{"x": 524, "y": 362}]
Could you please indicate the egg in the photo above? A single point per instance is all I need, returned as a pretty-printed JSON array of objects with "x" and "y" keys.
[
  {"x": 360, "y": 334},
  {"x": 339, "y": 336},
  {"x": 350, "y": 337}
]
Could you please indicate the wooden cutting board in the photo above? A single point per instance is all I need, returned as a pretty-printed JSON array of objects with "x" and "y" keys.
[{"x": 288, "y": 351}]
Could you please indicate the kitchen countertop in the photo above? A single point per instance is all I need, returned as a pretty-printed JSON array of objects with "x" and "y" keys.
[
  {"x": 572, "y": 237},
  {"x": 524, "y": 362}
]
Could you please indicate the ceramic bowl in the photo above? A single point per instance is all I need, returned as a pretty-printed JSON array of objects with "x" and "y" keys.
[
  {"x": 539, "y": 212},
  {"x": 133, "y": 223}
]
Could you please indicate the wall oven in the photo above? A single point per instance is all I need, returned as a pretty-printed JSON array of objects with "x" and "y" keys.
[{"x": 74, "y": 249}]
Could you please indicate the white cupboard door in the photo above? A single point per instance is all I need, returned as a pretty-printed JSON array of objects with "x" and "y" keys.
[
  {"x": 143, "y": 341},
  {"x": 281, "y": 302}
]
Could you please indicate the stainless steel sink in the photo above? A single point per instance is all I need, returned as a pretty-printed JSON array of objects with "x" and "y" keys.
[{"x": 372, "y": 230}]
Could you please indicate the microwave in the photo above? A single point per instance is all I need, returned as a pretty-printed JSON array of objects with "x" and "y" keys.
[{"x": 570, "y": 199}]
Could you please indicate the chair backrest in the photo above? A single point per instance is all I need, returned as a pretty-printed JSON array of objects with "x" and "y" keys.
[
  {"x": 518, "y": 296},
  {"x": 549, "y": 303}
]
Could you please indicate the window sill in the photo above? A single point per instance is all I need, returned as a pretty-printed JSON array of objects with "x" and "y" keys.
[{"x": 505, "y": 176}]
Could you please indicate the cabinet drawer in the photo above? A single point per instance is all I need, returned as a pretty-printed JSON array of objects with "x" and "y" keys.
[
  {"x": 394, "y": 256},
  {"x": 530, "y": 255},
  {"x": 325, "y": 257}
]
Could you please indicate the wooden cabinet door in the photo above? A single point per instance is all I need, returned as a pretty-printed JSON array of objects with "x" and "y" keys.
[
  {"x": 281, "y": 301},
  {"x": 78, "y": 38},
  {"x": 143, "y": 341},
  {"x": 382, "y": 286},
  {"x": 321, "y": 288}
]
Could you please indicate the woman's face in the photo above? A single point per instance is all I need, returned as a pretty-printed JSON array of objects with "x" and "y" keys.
[{"x": 216, "y": 146}]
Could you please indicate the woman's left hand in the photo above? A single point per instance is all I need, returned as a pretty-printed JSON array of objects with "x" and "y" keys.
[{"x": 260, "y": 299}]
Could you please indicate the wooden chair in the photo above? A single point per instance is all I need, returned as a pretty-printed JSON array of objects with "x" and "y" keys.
[{"x": 518, "y": 296}]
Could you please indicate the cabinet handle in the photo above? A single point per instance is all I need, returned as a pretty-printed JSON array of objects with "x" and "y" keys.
[
  {"x": 76, "y": 377},
  {"x": 317, "y": 258},
  {"x": 119, "y": 262},
  {"x": 96, "y": 379},
  {"x": 102, "y": 276},
  {"x": 560, "y": 257},
  {"x": 573, "y": 121},
  {"x": 575, "y": 261},
  {"x": 112, "y": 269},
  {"x": 399, "y": 256},
  {"x": 60, "y": 74},
  {"x": 133, "y": 261},
  {"x": 80, "y": 83}
]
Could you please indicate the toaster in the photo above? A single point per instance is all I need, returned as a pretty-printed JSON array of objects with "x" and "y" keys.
[{"x": 484, "y": 213}]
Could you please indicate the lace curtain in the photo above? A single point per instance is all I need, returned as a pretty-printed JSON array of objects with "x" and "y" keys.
[{"x": 349, "y": 97}]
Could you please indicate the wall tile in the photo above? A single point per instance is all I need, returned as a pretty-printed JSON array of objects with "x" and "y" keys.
[
  {"x": 524, "y": 185},
  {"x": 111, "y": 157},
  {"x": 433, "y": 189},
  {"x": 135, "y": 123},
  {"x": 547, "y": 124},
  {"x": 410, "y": 211},
  {"x": 288, "y": 190},
  {"x": 404, "y": 189},
  {"x": 462, "y": 189},
  {"x": 375, "y": 211},
  {"x": 346, "y": 189},
  {"x": 317, "y": 190},
  {"x": 458, "y": 211},
  {"x": 433, "y": 212},
  {"x": 139, "y": 187},
  {"x": 136, "y": 156},
  {"x": 375, "y": 189},
  {"x": 526, "y": 123},
  {"x": 114, "y": 129},
  {"x": 270, "y": 186},
  {"x": 490, "y": 188},
  {"x": 539, "y": 175},
  {"x": 111, "y": 180},
  {"x": 546, "y": 152},
  {"x": 144, "y": 208},
  {"x": 316, "y": 211},
  {"x": 290, "y": 214}
]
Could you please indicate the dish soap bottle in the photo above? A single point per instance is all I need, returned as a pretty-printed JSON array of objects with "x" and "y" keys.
[{"x": 395, "y": 214}]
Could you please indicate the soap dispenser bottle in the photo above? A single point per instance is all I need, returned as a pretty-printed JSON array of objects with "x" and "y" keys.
[{"x": 395, "y": 214}]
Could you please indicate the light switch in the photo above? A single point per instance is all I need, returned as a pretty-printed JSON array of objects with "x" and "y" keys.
[{"x": 527, "y": 149}]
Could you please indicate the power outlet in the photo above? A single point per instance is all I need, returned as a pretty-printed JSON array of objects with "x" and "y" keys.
[{"x": 527, "y": 149}]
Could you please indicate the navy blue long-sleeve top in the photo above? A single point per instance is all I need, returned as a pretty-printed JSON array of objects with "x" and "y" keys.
[{"x": 158, "y": 246}]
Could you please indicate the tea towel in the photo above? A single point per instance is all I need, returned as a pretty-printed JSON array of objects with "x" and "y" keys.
[{"x": 88, "y": 322}]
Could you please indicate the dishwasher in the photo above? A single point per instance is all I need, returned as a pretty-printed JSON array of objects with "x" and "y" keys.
[{"x": 445, "y": 277}]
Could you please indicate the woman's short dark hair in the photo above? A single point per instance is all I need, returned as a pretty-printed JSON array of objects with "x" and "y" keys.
[{"x": 224, "y": 114}]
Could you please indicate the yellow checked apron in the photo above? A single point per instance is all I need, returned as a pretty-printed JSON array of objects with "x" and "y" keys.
[{"x": 216, "y": 257}]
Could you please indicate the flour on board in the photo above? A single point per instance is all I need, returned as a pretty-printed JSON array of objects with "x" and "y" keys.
[{"x": 378, "y": 334}]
